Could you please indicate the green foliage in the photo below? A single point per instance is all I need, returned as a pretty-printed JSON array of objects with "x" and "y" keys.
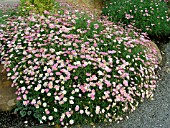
[
  {"x": 23, "y": 113},
  {"x": 68, "y": 64},
  {"x": 149, "y": 15},
  {"x": 38, "y": 6},
  {"x": 27, "y": 110},
  {"x": 65, "y": 65},
  {"x": 167, "y": 2},
  {"x": 7, "y": 12}
]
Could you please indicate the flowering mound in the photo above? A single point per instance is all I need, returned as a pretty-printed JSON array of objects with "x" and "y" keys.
[
  {"x": 151, "y": 16},
  {"x": 69, "y": 68}
]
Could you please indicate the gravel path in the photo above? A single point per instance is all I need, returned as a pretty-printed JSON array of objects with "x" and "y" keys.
[{"x": 150, "y": 114}]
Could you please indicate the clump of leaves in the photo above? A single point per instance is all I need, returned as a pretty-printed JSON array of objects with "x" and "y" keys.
[
  {"x": 149, "y": 15},
  {"x": 38, "y": 6}
]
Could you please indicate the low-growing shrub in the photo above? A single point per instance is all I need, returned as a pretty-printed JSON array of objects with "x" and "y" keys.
[
  {"x": 68, "y": 68},
  {"x": 149, "y": 15},
  {"x": 37, "y": 6}
]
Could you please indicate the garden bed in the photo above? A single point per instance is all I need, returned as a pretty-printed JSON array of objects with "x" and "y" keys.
[{"x": 85, "y": 33}]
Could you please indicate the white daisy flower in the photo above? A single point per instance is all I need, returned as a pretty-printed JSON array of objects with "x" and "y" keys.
[
  {"x": 44, "y": 104},
  {"x": 45, "y": 68},
  {"x": 50, "y": 117},
  {"x": 71, "y": 102},
  {"x": 55, "y": 110},
  {"x": 81, "y": 111},
  {"x": 44, "y": 117},
  {"x": 71, "y": 121},
  {"x": 49, "y": 94},
  {"x": 57, "y": 98},
  {"x": 65, "y": 99},
  {"x": 100, "y": 73}
]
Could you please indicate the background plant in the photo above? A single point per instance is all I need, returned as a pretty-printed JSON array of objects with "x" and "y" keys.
[
  {"x": 38, "y": 6},
  {"x": 7, "y": 11},
  {"x": 149, "y": 15}
]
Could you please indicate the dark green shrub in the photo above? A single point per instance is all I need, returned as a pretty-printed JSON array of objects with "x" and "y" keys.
[{"x": 149, "y": 15}]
